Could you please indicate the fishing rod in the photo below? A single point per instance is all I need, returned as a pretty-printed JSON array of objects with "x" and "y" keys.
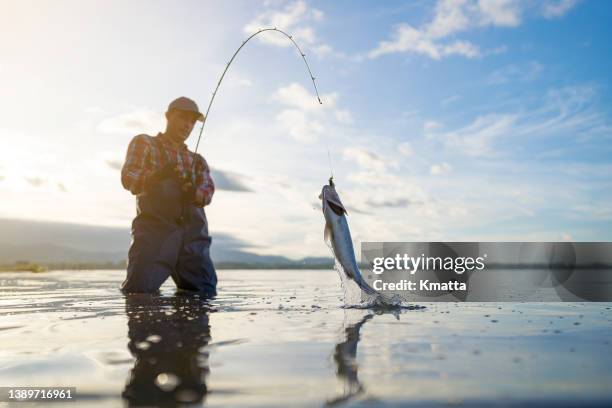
[{"x": 212, "y": 99}]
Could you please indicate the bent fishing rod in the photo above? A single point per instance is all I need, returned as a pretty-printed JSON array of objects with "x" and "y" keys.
[{"x": 212, "y": 99}]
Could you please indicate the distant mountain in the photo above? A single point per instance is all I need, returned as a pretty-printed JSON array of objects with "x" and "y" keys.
[
  {"x": 52, "y": 253},
  {"x": 76, "y": 236},
  {"x": 55, "y": 243}
]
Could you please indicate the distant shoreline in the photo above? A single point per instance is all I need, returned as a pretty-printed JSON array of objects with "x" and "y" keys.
[
  {"x": 42, "y": 267},
  {"x": 26, "y": 266}
]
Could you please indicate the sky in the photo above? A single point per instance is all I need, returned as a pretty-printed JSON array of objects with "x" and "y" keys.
[{"x": 441, "y": 120}]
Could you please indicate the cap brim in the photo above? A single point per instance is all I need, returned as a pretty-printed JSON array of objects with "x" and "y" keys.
[{"x": 199, "y": 115}]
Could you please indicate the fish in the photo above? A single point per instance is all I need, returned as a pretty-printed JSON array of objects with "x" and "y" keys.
[{"x": 338, "y": 236}]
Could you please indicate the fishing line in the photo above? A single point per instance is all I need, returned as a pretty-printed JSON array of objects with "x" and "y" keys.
[
  {"x": 212, "y": 99},
  {"x": 331, "y": 172}
]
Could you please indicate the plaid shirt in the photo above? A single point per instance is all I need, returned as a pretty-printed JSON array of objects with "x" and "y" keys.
[{"x": 147, "y": 154}]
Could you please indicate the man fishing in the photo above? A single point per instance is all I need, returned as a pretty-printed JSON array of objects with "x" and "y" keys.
[{"x": 172, "y": 185}]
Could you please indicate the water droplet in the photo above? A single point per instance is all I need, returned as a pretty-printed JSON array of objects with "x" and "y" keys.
[
  {"x": 154, "y": 338},
  {"x": 167, "y": 381},
  {"x": 143, "y": 345}
]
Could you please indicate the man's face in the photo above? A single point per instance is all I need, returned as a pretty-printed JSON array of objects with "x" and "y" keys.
[{"x": 180, "y": 124}]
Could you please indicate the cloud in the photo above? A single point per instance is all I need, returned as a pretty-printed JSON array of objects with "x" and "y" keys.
[
  {"x": 562, "y": 113},
  {"x": 355, "y": 210},
  {"x": 515, "y": 73},
  {"x": 344, "y": 116},
  {"x": 476, "y": 138},
  {"x": 292, "y": 15},
  {"x": 398, "y": 202},
  {"x": 463, "y": 48},
  {"x": 437, "y": 38},
  {"x": 317, "y": 15},
  {"x": 450, "y": 17},
  {"x": 499, "y": 13},
  {"x": 556, "y": 9},
  {"x": 431, "y": 125},
  {"x": 295, "y": 95},
  {"x": 391, "y": 191},
  {"x": 440, "y": 169},
  {"x": 134, "y": 122},
  {"x": 365, "y": 158},
  {"x": 567, "y": 111},
  {"x": 408, "y": 39},
  {"x": 405, "y": 149},
  {"x": 114, "y": 164},
  {"x": 229, "y": 181},
  {"x": 299, "y": 126},
  {"x": 35, "y": 181},
  {"x": 306, "y": 119},
  {"x": 295, "y": 19},
  {"x": 243, "y": 82}
]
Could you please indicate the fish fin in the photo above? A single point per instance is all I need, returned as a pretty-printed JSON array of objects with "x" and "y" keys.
[{"x": 327, "y": 233}]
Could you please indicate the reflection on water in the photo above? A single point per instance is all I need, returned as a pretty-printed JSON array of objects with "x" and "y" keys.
[
  {"x": 345, "y": 357},
  {"x": 168, "y": 338}
]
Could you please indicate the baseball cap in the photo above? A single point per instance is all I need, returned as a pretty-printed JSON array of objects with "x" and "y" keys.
[{"x": 185, "y": 104}]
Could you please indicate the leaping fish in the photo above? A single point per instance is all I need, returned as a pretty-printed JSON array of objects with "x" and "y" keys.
[{"x": 338, "y": 236}]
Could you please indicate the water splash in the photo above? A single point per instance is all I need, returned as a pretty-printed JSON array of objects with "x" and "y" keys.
[{"x": 355, "y": 298}]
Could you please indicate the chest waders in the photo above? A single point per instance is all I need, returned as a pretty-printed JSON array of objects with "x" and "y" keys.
[{"x": 169, "y": 239}]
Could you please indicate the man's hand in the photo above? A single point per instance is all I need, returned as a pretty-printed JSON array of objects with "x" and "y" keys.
[
  {"x": 168, "y": 171},
  {"x": 189, "y": 193},
  {"x": 188, "y": 189}
]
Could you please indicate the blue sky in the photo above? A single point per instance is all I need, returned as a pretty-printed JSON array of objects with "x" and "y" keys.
[{"x": 447, "y": 120}]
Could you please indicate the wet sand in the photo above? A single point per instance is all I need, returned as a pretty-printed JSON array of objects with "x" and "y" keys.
[{"x": 282, "y": 338}]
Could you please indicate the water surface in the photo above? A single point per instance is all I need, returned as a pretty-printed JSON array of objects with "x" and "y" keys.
[{"x": 282, "y": 338}]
